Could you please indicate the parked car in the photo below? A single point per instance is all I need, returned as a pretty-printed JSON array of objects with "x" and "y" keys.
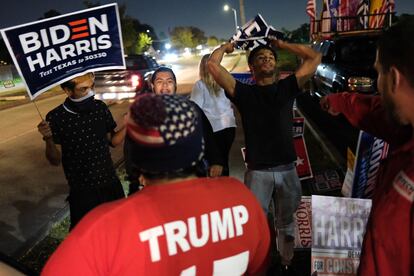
[
  {"x": 347, "y": 64},
  {"x": 131, "y": 80}
]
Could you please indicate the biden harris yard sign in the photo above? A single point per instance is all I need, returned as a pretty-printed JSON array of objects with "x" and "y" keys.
[{"x": 54, "y": 50}]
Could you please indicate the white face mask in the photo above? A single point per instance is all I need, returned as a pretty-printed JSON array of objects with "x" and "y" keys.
[{"x": 91, "y": 93}]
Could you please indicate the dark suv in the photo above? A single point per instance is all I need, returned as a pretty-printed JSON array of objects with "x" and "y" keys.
[
  {"x": 347, "y": 64},
  {"x": 111, "y": 83}
]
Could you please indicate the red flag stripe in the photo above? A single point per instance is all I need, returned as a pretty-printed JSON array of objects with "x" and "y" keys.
[
  {"x": 76, "y": 36},
  {"x": 79, "y": 29},
  {"x": 310, "y": 8},
  {"x": 77, "y": 22}
]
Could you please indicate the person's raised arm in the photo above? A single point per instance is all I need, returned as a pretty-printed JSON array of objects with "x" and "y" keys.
[
  {"x": 219, "y": 73},
  {"x": 311, "y": 59}
]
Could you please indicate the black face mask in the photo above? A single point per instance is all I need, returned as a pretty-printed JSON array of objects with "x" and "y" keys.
[{"x": 80, "y": 105}]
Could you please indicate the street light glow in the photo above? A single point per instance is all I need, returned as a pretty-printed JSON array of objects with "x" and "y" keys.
[
  {"x": 167, "y": 46},
  {"x": 226, "y": 8}
]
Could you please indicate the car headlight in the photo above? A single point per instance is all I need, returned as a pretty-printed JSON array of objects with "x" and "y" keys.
[
  {"x": 361, "y": 84},
  {"x": 135, "y": 81}
]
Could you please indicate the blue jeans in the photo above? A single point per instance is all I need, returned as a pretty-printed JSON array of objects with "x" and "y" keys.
[{"x": 281, "y": 184}]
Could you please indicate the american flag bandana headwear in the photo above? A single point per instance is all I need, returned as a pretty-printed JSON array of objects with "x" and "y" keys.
[
  {"x": 254, "y": 33},
  {"x": 165, "y": 132}
]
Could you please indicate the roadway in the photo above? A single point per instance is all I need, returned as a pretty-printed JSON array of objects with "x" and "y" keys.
[{"x": 33, "y": 192}]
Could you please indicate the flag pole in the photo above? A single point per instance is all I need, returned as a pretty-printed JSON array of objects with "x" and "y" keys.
[{"x": 37, "y": 108}]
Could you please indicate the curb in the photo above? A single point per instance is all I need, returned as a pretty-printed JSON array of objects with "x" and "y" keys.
[
  {"x": 45, "y": 229},
  {"x": 42, "y": 233}
]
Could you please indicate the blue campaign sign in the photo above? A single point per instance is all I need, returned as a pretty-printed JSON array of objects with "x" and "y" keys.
[
  {"x": 370, "y": 151},
  {"x": 51, "y": 51},
  {"x": 246, "y": 78}
]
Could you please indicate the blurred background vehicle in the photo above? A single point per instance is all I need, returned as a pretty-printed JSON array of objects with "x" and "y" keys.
[
  {"x": 347, "y": 64},
  {"x": 121, "y": 84}
]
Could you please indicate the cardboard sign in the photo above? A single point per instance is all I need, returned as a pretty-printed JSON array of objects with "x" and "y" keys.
[
  {"x": 255, "y": 33},
  {"x": 302, "y": 162},
  {"x": 51, "y": 51},
  {"x": 303, "y": 224},
  {"x": 326, "y": 181},
  {"x": 349, "y": 176},
  {"x": 298, "y": 126},
  {"x": 370, "y": 152},
  {"x": 338, "y": 227},
  {"x": 246, "y": 78}
]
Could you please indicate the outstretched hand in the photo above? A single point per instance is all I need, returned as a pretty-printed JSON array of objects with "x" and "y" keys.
[{"x": 325, "y": 106}]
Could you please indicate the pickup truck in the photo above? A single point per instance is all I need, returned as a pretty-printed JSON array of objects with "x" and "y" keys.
[{"x": 347, "y": 64}]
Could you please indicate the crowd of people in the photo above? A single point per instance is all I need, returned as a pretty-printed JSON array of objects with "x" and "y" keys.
[{"x": 190, "y": 217}]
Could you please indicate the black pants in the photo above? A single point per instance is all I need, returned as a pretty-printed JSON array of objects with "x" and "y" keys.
[
  {"x": 224, "y": 139},
  {"x": 81, "y": 201}
]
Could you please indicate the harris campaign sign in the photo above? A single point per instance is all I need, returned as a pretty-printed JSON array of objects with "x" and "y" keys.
[
  {"x": 51, "y": 51},
  {"x": 338, "y": 227}
]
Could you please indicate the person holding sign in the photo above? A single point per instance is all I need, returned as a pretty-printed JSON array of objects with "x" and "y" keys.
[
  {"x": 388, "y": 247},
  {"x": 178, "y": 224},
  {"x": 77, "y": 134},
  {"x": 266, "y": 112}
]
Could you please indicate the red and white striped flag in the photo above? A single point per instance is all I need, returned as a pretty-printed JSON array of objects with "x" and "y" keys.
[
  {"x": 311, "y": 11},
  {"x": 311, "y": 8},
  {"x": 377, "y": 10},
  {"x": 344, "y": 24},
  {"x": 391, "y": 5}
]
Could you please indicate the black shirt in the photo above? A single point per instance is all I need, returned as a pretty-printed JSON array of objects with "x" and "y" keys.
[
  {"x": 86, "y": 158},
  {"x": 267, "y": 115}
]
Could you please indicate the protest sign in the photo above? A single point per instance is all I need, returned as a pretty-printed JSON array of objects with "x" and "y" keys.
[
  {"x": 254, "y": 33},
  {"x": 326, "y": 181},
  {"x": 303, "y": 224},
  {"x": 338, "y": 227},
  {"x": 298, "y": 126},
  {"x": 370, "y": 152},
  {"x": 246, "y": 78},
  {"x": 54, "y": 50},
  {"x": 302, "y": 162},
  {"x": 349, "y": 176}
]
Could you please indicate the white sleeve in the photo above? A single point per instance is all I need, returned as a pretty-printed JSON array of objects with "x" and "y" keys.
[{"x": 197, "y": 94}]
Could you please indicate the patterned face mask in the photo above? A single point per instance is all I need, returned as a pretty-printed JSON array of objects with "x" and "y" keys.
[{"x": 80, "y": 105}]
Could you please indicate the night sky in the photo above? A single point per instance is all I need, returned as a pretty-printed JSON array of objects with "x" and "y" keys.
[{"x": 208, "y": 15}]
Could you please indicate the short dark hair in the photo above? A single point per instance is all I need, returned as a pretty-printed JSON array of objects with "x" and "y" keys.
[
  {"x": 162, "y": 69},
  {"x": 257, "y": 49},
  {"x": 70, "y": 84},
  {"x": 395, "y": 48}
]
